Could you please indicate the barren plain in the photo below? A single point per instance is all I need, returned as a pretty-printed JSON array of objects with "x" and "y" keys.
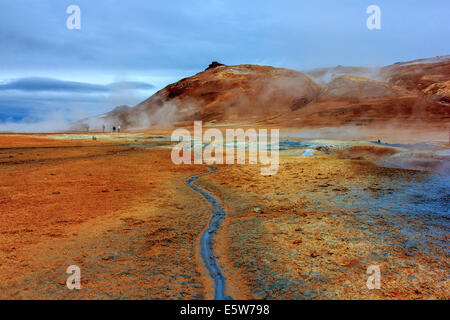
[{"x": 118, "y": 208}]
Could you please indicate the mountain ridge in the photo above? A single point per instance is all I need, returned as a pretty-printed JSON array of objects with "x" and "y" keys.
[{"x": 252, "y": 93}]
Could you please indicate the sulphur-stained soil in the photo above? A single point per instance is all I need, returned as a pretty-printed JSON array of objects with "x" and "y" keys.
[
  {"x": 122, "y": 214},
  {"x": 312, "y": 230},
  {"x": 118, "y": 208}
]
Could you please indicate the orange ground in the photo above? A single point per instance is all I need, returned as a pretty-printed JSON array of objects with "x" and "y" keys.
[
  {"x": 285, "y": 236},
  {"x": 112, "y": 210},
  {"x": 123, "y": 213}
]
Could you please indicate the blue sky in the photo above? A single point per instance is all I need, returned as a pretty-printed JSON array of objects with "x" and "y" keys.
[{"x": 127, "y": 50}]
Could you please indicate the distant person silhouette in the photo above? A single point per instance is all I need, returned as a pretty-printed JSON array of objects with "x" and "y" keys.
[
  {"x": 103, "y": 128},
  {"x": 118, "y": 128},
  {"x": 114, "y": 129}
]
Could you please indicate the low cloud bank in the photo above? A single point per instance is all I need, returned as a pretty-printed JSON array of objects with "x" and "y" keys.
[
  {"x": 51, "y": 84},
  {"x": 50, "y": 105},
  {"x": 52, "y": 122}
]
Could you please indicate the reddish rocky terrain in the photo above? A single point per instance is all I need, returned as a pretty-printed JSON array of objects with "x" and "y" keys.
[{"x": 408, "y": 94}]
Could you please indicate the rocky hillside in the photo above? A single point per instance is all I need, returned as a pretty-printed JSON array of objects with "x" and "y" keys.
[
  {"x": 416, "y": 91},
  {"x": 219, "y": 94}
]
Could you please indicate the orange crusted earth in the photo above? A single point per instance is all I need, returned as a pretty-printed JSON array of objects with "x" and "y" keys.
[
  {"x": 122, "y": 211},
  {"x": 123, "y": 214}
]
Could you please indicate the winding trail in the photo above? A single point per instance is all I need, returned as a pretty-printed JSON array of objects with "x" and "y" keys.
[{"x": 207, "y": 238}]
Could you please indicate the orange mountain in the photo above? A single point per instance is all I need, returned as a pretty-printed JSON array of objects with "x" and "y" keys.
[{"x": 407, "y": 93}]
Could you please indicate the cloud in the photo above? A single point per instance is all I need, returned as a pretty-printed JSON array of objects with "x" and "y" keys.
[
  {"x": 52, "y": 122},
  {"x": 138, "y": 35},
  {"x": 31, "y": 104},
  {"x": 150, "y": 39},
  {"x": 55, "y": 85}
]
